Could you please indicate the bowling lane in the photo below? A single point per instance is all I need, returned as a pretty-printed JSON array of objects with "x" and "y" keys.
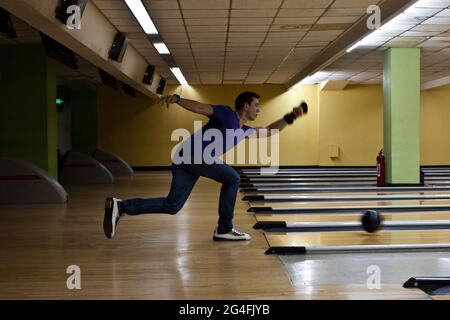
[
  {"x": 311, "y": 175},
  {"x": 354, "y": 204},
  {"x": 324, "y": 184},
  {"x": 311, "y": 242},
  {"x": 352, "y": 217},
  {"x": 268, "y": 179},
  {"x": 440, "y": 298},
  {"x": 344, "y": 198},
  {"x": 353, "y": 223},
  {"x": 343, "y": 191},
  {"x": 313, "y": 171}
]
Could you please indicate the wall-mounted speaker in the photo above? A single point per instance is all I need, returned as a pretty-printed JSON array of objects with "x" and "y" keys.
[
  {"x": 129, "y": 90},
  {"x": 108, "y": 80},
  {"x": 148, "y": 77},
  {"x": 119, "y": 47},
  {"x": 6, "y": 26},
  {"x": 161, "y": 86},
  {"x": 59, "y": 52},
  {"x": 61, "y": 10}
]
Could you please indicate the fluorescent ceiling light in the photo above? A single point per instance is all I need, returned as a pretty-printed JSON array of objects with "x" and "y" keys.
[
  {"x": 161, "y": 47},
  {"x": 387, "y": 25},
  {"x": 179, "y": 75},
  {"x": 321, "y": 75},
  {"x": 353, "y": 47},
  {"x": 141, "y": 14}
]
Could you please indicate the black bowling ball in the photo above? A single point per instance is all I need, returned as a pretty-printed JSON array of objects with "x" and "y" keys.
[
  {"x": 372, "y": 221},
  {"x": 304, "y": 106}
]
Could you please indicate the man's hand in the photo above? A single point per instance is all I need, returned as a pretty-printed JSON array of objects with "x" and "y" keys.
[
  {"x": 300, "y": 110},
  {"x": 168, "y": 100}
]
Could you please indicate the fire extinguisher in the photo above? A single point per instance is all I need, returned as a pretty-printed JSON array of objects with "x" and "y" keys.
[{"x": 380, "y": 169}]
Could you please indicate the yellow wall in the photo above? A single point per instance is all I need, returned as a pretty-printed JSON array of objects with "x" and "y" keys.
[
  {"x": 352, "y": 120},
  {"x": 435, "y": 127},
  {"x": 139, "y": 129}
]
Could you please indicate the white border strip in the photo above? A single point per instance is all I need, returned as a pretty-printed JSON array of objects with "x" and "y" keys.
[
  {"x": 406, "y": 207},
  {"x": 363, "y": 198},
  {"x": 329, "y": 224},
  {"x": 389, "y": 247}
]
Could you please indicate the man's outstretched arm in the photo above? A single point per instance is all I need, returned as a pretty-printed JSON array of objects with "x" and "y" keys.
[
  {"x": 282, "y": 123},
  {"x": 191, "y": 105},
  {"x": 277, "y": 125}
]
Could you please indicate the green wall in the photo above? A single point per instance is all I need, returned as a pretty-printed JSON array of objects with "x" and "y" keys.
[
  {"x": 402, "y": 115},
  {"x": 84, "y": 114},
  {"x": 27, "y": 110}
]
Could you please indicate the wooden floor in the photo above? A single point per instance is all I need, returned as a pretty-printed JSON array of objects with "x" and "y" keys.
[{"x": 152, "y": 256}]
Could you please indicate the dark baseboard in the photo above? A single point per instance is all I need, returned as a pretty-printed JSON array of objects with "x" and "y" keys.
[
  {"x": 306, "y": 167},
  {"x": 155, "y": 168},
  {"x": 165, "y": 168},
  {"x": 401, "y": 185}
]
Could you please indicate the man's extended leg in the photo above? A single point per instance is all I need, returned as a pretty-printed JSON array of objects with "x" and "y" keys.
[
  {"x": 182, "y": 184},
  {"x": 181, "y": 187},
  {"x": 230, "y": 180}
]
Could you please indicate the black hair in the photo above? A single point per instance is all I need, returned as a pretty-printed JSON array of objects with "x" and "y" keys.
[{"x": 243, "y": 98}]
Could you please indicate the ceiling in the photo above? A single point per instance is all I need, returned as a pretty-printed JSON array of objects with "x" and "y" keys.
[
  {"x": 238, "y": 41},
  {"x": 427, "y": 27},
  {"x": 270, "y": 41}
]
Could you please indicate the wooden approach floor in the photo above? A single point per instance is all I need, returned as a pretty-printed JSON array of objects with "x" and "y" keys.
[{"x": 152, "y": 256}]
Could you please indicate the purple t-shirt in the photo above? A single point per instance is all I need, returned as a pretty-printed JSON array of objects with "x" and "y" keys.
[{"x": 220, "y": 134}]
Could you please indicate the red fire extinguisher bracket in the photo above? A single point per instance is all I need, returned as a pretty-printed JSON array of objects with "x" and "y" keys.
[{"x": 381, "y": 169}]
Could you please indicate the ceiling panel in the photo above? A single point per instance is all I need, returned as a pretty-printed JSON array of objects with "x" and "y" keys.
[
  {"x": 254, "y": 4},
  {"x": 306, "y": 4},
  {"x": 255, "y": 13},
  {"x": 158, "y": 4},
  {"x": 213, "y": 13},
  {"x": 269, "y": 41},
  {"x": 202, "y": 4},
  {"x": 300, "y": 13}
]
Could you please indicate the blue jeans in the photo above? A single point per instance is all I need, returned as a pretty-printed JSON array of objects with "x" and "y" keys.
[{"x": 184, "y": 177}]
